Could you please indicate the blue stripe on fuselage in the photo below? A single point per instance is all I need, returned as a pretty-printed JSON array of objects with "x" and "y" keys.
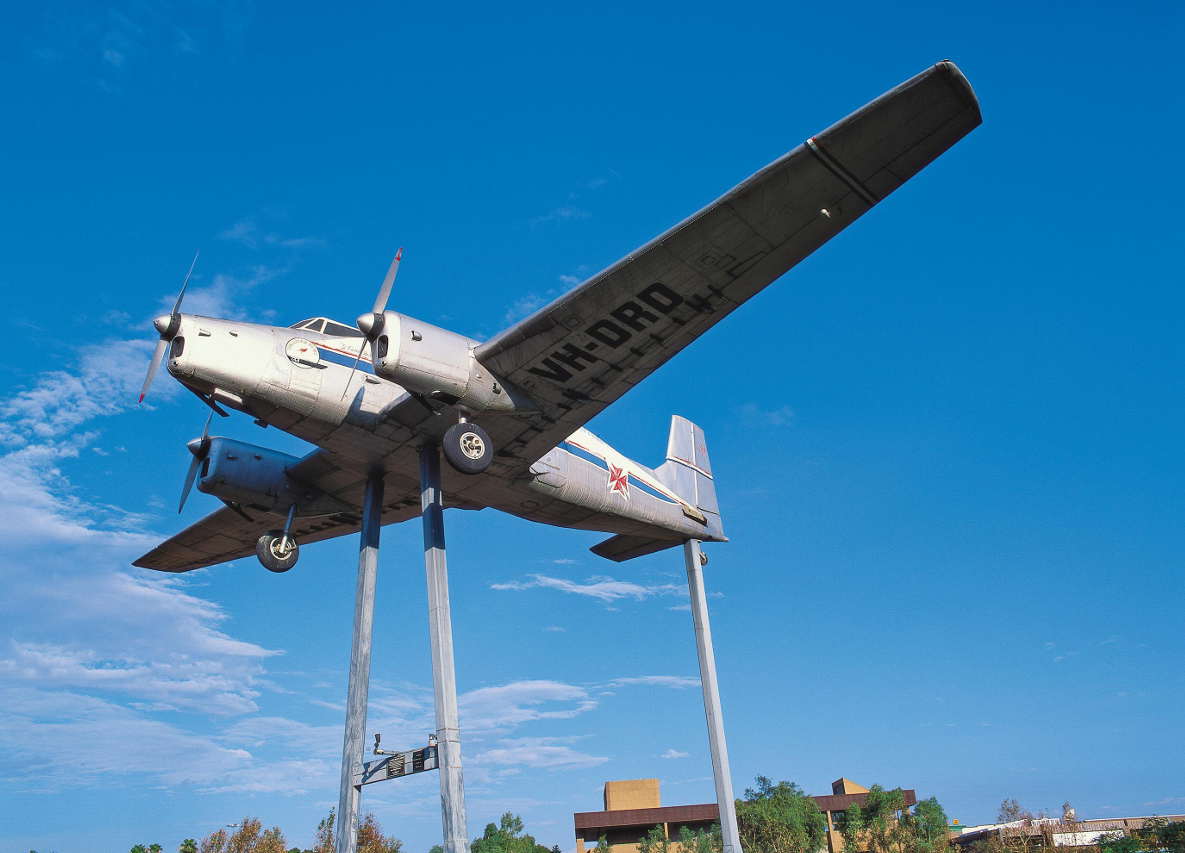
[
  {"x": 334, "y": 357},
  {"x": 589, "y": 456}
]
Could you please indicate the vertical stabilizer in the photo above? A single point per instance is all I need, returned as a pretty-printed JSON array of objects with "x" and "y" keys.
[{"x": 688, "y": 470}]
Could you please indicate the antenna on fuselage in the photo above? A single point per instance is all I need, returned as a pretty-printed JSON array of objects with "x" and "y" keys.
[{"x": 371, "y": 325}]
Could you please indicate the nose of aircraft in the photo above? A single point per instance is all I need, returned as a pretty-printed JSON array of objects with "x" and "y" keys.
[{"x": 368, "y": 322}]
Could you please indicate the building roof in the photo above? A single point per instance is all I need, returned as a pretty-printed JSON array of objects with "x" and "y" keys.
[
  {"x": 646, "y": 817},
  {"x": 841, "y": 802}
]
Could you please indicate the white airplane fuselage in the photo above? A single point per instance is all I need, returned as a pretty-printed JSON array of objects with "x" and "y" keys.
[{"x": 302, "y": 382}]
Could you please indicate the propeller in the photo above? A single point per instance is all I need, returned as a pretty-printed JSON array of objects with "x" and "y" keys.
[
  {"x": 167, "y": 326},
  {"x": 200, "y": 448},
  {"x": 371, "y": 325}
]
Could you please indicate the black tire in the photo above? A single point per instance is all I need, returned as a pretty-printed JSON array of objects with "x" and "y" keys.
[
  {"x": 468, "y": 448},
  {"x": 267, "y": 549}
]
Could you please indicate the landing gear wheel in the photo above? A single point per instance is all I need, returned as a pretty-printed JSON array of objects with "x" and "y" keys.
[
  {"x": 274, "y": 557},
  {"x": 468, "y": 448}
]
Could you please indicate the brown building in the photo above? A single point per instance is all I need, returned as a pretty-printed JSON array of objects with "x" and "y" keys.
[
  {"x": 844, "y": 794},
  {"x": 634, "y": 806}
]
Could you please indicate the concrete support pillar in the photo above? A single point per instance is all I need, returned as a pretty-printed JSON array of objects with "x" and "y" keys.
[
  {"x": 359, "y": 685},
  {"x": 444, "y": 678},
  {"x": 707, "y": 675}
]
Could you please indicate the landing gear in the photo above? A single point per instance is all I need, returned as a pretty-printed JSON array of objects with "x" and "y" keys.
[
  {"x": 276, "y": 551},
  {"x": 468, "y": 448}
]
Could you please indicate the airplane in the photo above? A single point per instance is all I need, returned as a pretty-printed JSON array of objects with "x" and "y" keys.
[{"x": 508, "y": 414}]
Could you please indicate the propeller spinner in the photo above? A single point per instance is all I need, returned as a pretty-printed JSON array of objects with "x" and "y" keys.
[
  {"x": 166, "y": 326},
  {"x": 200, "y": 448},
  {"x": 371, "y": 325}
]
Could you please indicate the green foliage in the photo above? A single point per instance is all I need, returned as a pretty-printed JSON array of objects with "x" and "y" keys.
[
  {"x": 655, "y": 841},
  {"x": 853, "y": 829},
  {"x": 506, "y": 837},
  {"x": 1160, "y": 834},
  {"x": 436, "y": 848},
  {"x": 779, "y": 818},
  {"x": 927, "y": 827},
  {"x": 1119, "y": 842},
  {"x": 701, "y": 840},
  {"x": 602, "y": 845},
  {"x": 189, "y": 845},
  {"x": 323, "y": 840}
]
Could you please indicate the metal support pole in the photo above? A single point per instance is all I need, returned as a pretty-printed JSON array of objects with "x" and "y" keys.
[
  {"x": 707, "y": 676},
  {"x": 356, "y": 695},
  {"x": 444, "y": 677}
]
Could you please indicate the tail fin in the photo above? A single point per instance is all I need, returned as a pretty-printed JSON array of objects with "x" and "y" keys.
[{"x": 688, "y": 471}]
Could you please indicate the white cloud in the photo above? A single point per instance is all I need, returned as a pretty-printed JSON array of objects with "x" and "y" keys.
[
  {"x": 541, "y": 752},
  {"x": 779, "y": 417},
  {"x": 247, "y": 233},
  {"x": 563, "y": 213},
  {"x": 676, "y": 682},
  {"x": 602, "y": 588},
  {"x": 104, "y": 743},
  {"x": 490, "y": 709},
  {"x": 39, "y": 506},
  {"x": 674, "y": 753},
  {"x": 103, "y": 380}
]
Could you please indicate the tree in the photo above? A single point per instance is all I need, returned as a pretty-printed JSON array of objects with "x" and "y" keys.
[
  {"x": 655, "y": 841},
  {"x": 883, "y": 831},
  {"x": 372, "y": 840},
  {"x": 323, "y": 840},
  {"x": 928, "y": 824},
  {"x": 701, "y": 840},
  {"x": 506, "y": 837},
  {"x": 436, "y": 848},
  {"x": 189, "y": 845},
  {"x": 853, "y": 828},
  {"x": 779, "y": 818},
  {"x": 1010, "y": 811},
  {"x": 602, "y": 845},
  {"x": 1119, "y": 842},
  {"x": 215, "y": 842},
  {"x": 1158, "y": 832}
]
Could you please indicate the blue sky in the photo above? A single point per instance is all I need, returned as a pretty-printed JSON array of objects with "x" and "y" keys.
[{"x": 948, "y": 444}]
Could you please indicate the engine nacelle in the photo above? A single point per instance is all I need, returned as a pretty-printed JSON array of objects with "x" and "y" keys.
[
  {"x": 439, "y": 364},
  {"x": 257, "y": 477}
]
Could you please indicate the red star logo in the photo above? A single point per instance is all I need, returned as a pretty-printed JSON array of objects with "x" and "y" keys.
[{"x": 619, "y": 481}]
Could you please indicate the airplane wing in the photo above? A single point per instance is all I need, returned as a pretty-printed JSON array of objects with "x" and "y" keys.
[
  {"x": 585, "y": 350},
  {"x": 227, "y": 535}
]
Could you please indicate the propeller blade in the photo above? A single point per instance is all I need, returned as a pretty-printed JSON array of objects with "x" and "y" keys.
[
  {"x": 350, "y": 378},
  {"x": 380, "y": 301},
  {"x": 200, "y": 451},
  {"x": 190, "y": 476},
  {"x": 153, "y": 366},
  {"x": 185, "y": 284}
]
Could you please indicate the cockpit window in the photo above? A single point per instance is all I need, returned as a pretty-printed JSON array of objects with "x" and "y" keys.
[
  {"x": 303, "y": 324},
  {"x": 315, "y": 325},
  {"x": 332, "y": 328}
]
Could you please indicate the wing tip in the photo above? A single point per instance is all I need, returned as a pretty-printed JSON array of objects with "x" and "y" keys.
[{"x": 961, "y": 84}]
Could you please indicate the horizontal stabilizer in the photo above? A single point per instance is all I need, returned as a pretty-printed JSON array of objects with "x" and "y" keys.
[{"x": 624, "y": 547}]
